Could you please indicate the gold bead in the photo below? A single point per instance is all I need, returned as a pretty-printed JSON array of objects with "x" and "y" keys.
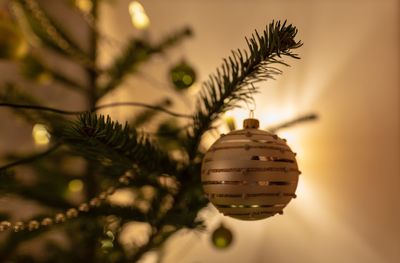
[
  {"x": 129, "y": 175},
  {"x": 123, "y": 180},
  {"x": 47, "y": 221},
  {"x": 59, "y": 218},
  {"x": 19, "y": 226},
  {"x": 72, "y": 213},
  {"x": 83, "y": 207},
  {"x": 103, "y": 195},
  {"x": 94, "y": 202},
  {"x": 110, "y": 190},
  {"x": 33, "y": 225},
  {"x": 4, "y": 225}
]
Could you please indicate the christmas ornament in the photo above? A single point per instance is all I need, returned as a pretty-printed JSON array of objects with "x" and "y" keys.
[
  {"x": 12, "y": 43},
  {"x": 222, "y": 237},
  {"x": 182, "y": 75},
  {"x": 250, "y": 174}
]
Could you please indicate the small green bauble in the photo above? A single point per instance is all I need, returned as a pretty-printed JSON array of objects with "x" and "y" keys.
[
  {"x": 222, "y": 237},
  {"x": 182, "y": 75}
]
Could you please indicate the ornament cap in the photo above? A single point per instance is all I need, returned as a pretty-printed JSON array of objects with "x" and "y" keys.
[{"x": 251, "y": 123}]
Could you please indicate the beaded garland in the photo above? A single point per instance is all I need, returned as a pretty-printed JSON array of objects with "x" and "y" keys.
[{"x": 71, "y": 213}]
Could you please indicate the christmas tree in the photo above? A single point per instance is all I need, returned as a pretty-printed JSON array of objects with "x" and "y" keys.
[{"x": 96, "y": 157}]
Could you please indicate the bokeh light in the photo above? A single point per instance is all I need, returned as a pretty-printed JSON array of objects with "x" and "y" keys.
[
  {"x": 75, "y": 185},
  {"x": 40, "y": 134},
  {"x": 84, "y": 5},
  {"x": 139, "y": 18}
]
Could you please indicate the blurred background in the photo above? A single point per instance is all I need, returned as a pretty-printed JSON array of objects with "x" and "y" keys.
[{"x": 348, "y": 204}]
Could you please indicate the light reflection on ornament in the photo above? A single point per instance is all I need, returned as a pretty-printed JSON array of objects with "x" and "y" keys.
[
  {"x": 40, "y": 134},
  {"x": 139, "y": 18}
]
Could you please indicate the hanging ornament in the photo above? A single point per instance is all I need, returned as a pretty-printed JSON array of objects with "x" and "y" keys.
[
  {"x": 250, "y": 174},
  {"x": 222, "y": 237},
  {"x": 12, "y": 43},
  {"x": 182, "y": 75}
]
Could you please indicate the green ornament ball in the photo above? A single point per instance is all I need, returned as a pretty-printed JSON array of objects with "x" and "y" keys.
[
  {"x": 13, "y": 45},
  {"x": 182, "y": 75},
  {"x": 222, "y": 237}
]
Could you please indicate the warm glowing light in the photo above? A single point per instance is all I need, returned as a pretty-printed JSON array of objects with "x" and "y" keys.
[
  {"x": 139, "y": 18},
  {"x": 40, "y": 134},
  {"x": 123, "y": 197},
  {"x": 276, "y": 115},
  {"x": 84, "y": 5},
  {"x": 293, "y": 141},
  {"x": 237, "y": 116},
  {"x": 75, "y": 185},
  {"x": 135, "y": 234}
]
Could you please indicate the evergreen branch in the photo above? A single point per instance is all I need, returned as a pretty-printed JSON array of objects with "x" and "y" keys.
[
  {"x": 31, "y": 158},
  {"x": 111, "y": 143},
  {"x": 229, "y": 85},
  {"x": 308, "y": 117},
  {"x": 33, "y": 67},
  {"x": 110, "y": 105},
  {"x": 68, "y": 83},
  {"x": 143, "y": 105},
  {"x": 136, "y": 52},
  {"x": 11, "y": 95},
  {"x": 38, "y": 108},
  {"x": 50, "y": 32}
]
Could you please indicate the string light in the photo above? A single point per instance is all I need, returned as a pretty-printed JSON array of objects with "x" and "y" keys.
[
  {"x": 40, "y": 134},
  {"x": 139, "y": 18}
]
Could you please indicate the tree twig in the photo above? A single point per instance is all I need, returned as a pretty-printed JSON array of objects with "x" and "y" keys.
[
  {"x": 308, "y": 117},
  {"x": 30, "y": 158},
  {"x": 110, "y": 105}
]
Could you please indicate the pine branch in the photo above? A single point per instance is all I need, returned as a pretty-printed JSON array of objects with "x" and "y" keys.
[
  {"x": 33, "y": 66},
  {"x": 18, "y": 100},
  {"x": 68, "y": 82},
  {"x": 31, "y": 158},
  {"x": 50, "y": 32},
  {"x": 39, "y": 108},
  {"x": 111, "y": 143},
  {"x": 243, "y": 69},
  {"x": 135, "y": 53},
  {"x": 301, "y": 119}
]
